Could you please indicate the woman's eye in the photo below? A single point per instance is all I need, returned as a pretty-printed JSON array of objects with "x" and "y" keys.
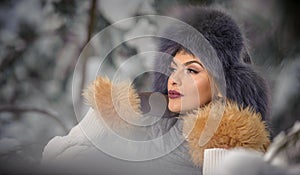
[
  {"x": 192, "y": 71},
  {"x": 172, "y": 69}
]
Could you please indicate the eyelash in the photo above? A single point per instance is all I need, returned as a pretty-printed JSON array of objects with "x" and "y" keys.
[
  {"x": 171, "y": 70},
  {"x": 192, "y": 71},
  {"x": 189, "y": 70}
]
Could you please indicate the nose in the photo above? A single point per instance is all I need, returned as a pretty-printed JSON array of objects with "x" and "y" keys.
[{"x": 175, "y": 79}]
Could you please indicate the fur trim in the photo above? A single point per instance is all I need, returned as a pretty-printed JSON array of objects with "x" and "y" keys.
[
  {"x": 238, "y": 128},
  {"x": 115, "y": 103}
]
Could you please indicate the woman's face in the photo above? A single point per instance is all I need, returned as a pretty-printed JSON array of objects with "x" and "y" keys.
[{"x": 189, "y": 83}]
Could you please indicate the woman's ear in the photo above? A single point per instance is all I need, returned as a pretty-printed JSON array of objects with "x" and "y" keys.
[
  {"x": 219, "y": 95},
  {"x": 216, "y": 93}
]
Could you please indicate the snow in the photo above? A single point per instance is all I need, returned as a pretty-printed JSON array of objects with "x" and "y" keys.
[{"x": 115, "y": 10}]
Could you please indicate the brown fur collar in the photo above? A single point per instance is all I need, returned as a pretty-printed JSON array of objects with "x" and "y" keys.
[
  {"x": 237, "y": 128},
  {"x": 112, "y": 101}
]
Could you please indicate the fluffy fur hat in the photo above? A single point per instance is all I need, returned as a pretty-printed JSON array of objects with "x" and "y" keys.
[{"x": 243, "y": 84}]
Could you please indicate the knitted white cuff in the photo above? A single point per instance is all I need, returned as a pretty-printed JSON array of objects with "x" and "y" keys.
[{"x": 212, "y": 160}]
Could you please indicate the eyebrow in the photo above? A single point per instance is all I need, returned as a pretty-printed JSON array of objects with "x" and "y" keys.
[
  {"x": 174, "y": 62},
  {"x": 191, "y": 62}
]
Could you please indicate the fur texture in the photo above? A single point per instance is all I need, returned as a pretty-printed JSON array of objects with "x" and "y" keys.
[
  {"x": 243, "y": 84},
  {"x": 116, "y": 103},
  {"x": 238, "y": 128}
]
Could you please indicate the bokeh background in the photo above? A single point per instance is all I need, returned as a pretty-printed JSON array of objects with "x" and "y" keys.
[{"x": 41, "y": 40}]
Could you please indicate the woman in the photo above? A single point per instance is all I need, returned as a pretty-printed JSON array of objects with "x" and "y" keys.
[{"x": 211, "y": 104}]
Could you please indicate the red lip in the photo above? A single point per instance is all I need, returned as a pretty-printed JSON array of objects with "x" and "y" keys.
[{"x": 174, "y": 94}]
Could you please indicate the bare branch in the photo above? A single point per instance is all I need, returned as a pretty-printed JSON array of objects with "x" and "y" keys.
[
  {"x": 18, "y": 109},
  {"x": 90, "y": 27}
]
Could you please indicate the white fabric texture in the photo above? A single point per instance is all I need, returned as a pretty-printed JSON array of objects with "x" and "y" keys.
[
  {"x": 76, "y": 141},
  {"x": 77, "y": 146},
  {"x": 212, "y": 160}
]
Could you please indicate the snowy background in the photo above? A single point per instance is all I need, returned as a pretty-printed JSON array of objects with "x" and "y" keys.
[{"x": 41, "y": 40}]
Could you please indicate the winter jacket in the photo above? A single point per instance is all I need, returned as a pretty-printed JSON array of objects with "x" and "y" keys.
[{"x": 174, "y": 146}]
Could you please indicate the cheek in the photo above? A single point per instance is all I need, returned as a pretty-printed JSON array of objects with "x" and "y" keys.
[
  {"x": 198, "y": 91},
  {"x": 204, "y": 90}
]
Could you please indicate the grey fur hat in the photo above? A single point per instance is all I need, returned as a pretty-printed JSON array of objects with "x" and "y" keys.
[{"x": 243, "y": 84}]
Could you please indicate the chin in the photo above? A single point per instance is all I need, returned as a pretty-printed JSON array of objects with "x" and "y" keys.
[{"x": 174, "y": 109}]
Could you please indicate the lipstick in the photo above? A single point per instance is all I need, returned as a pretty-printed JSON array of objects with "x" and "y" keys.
[{"x": 172, "y": 94}]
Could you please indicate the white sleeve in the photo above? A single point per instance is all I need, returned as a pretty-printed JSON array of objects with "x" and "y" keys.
[
  {"x": 212, "y": 160},
  {"x": 76, "y": 141}
]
